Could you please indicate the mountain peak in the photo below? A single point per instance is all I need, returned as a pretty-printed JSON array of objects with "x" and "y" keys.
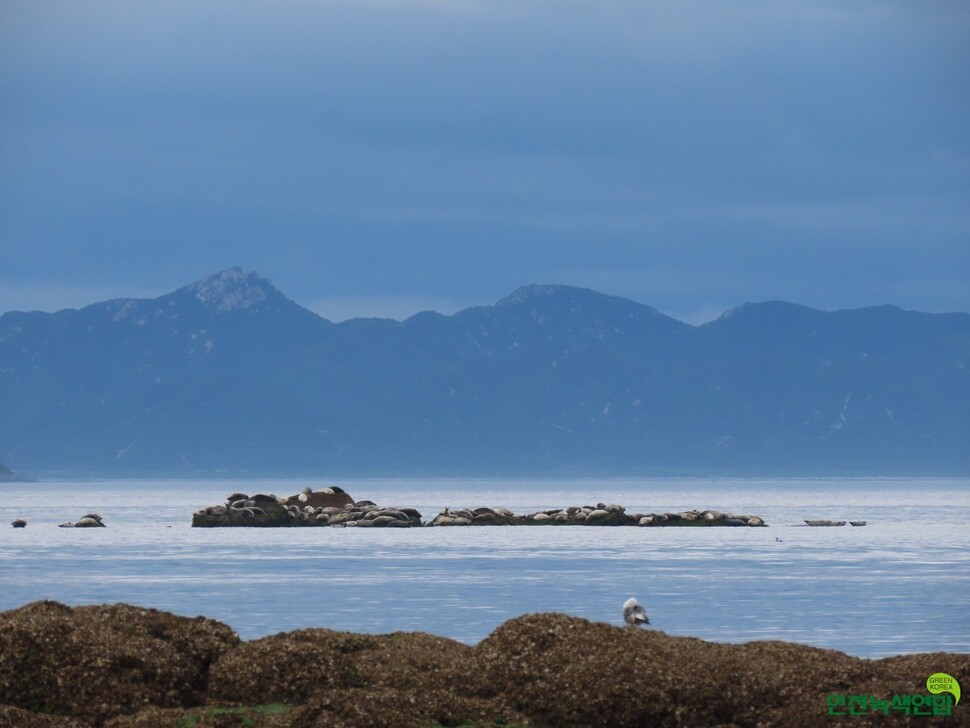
[
  {"x": 535, "y": 291},
  {"x": 231, "y": 290},
  {"x": 774, "y": 308}
]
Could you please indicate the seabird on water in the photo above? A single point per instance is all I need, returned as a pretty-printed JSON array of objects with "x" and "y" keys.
[{"x": 633, "y": 613}]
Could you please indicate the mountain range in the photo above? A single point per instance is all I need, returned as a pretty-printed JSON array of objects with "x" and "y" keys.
[{"x": 229, "y": 376}]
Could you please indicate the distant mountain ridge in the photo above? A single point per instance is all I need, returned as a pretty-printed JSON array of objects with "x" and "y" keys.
[{"x": 228, "y": 375}]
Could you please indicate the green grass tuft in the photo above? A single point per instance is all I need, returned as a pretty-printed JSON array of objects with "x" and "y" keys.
[{"x": 244, "y": 712}]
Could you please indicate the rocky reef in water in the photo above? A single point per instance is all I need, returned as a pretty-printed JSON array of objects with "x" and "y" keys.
[
  {"x": 333, "y": 506},
  {"x": 121, "y": 666},
  {"x": 325, "y": 507},
  {"x": 601, "y": 514}
]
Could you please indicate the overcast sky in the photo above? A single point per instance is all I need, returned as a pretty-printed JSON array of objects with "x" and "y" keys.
[{"x": 380, "y": 157}]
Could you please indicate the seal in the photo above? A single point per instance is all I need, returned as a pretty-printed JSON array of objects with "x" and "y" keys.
[
  {"x": 88, "y": 522},
  {"x": 19, "y": 523},
  {"x": 384, "y": 520}
]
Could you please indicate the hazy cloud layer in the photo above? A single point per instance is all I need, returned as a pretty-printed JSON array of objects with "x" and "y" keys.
[{"x": 688, "y": 155}]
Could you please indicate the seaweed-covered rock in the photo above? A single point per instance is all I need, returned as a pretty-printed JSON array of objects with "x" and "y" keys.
[
  {"x": 98, "y": 661},
  {"x": 407, "y": 707},
  {"x": 124, "y": 667},
  {"x": 358, "y": 681},
  {"x": 257, "y": 716},
  {"x": 19, "y": 718},
  {"x": 567, "y": 671},
  {"x": 288, "y": 667}
]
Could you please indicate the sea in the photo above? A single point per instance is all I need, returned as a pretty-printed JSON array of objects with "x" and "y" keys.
[{"x": 900, "y": 584}]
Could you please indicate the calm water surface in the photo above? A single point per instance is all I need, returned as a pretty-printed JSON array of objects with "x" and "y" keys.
[{"x": 901, "y": 584}]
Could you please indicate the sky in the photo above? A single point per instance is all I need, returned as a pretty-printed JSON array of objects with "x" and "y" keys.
[{"x": 383, "y": 157}]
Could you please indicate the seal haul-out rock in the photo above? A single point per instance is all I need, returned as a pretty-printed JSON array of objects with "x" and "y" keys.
[
  {"x": 601, "y": 514},
  {"x": 333, "y": 507},
  {"x": 327, "y": 507}
]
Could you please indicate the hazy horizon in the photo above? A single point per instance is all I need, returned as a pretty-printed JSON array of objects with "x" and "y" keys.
[{"x": 707, "y": 318}]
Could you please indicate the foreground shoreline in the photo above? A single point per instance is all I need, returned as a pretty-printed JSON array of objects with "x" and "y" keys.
[{"x": 119, "y": 665}]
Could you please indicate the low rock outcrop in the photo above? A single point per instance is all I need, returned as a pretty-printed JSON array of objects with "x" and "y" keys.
[
  {"x": 334, "y": 507},
  {"x": 94, "y": 662},
  {"x": 121, "y": 666},
  {"x": 326, "y": 507},
  {"x": 602, "y": 514}
]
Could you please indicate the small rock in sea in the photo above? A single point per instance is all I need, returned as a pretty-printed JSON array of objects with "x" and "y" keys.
[{"x": 19, "y": 523}]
